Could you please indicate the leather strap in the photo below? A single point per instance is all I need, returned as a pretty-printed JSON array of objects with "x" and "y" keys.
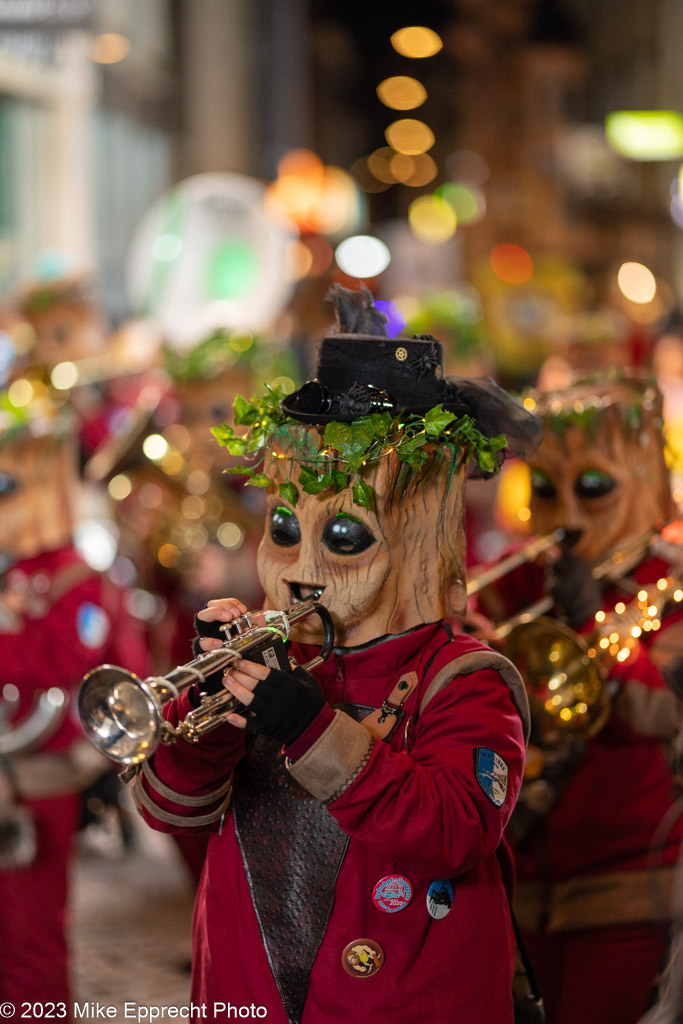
[{"x": 383, "y": 722}]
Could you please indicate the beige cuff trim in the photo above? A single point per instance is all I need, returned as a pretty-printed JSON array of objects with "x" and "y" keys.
[
  {"x": 142, "y": 799},
  {"x": 335, "y": 760},
  {"x": 181, "y": 798},
  {"x": 654, "y": 713},
  {"x": 597, "y": 901}
]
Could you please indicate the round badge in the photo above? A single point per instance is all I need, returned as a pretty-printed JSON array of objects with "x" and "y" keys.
[
  {"x": 392, "y": 893},
  {"x": 440, "y": 898},
  {"x": 362, "y": 958}
]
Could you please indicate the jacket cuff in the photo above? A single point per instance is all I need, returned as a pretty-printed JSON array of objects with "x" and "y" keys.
[
  {"x": 311, "y": 733},
  {"x": 335, "y": 759}
]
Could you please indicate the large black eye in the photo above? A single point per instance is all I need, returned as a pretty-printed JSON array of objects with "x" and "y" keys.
[
  {"x": 284, "y": 527},
  {"x": 542, "y": 485},
  {"x": 218, "y": 412},
  {"x": 594, "y": 483},
  {"x": 345, "y": 535},
  {"x": 8, "y": 485},
  {"x": 61, "y": 333}
]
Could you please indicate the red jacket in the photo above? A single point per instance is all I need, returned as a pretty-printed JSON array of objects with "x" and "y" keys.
[
  {"x": 75, "y": 621},
  {"x": 422, "y": 814}
]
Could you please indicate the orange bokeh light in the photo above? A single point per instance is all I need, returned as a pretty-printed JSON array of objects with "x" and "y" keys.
[{"x": 511, "y": 263}]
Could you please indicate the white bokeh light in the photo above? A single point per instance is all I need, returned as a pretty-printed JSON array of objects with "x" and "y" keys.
[{"x": 362, "y": 256}]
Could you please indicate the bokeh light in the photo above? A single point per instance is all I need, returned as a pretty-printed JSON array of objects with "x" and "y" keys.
[
  {"x": 468, "y": 202},
  {"x": 110, "y": 48},
  {"x": 646, "y": 134},
  {"x": 401, "y": 92},
  {"x": 395, "y": 321},
  {"x": 317, "y": 198},
  {"x": 365, "y": 179},
  {"x": 636, "y": 282},
  {"x": 409, "y": 136},
  {"x": 155, "y": 447},
  {"x": 362, "y": 256},
  {"x": 414, "y": 171},
  {"x": 379, "y": 164},
  {"x": 416, "y": 41},
  {"x": 511, "y": 263},
  {"x": 432, "y": 220},
  {"x": 232, "y": 270}
]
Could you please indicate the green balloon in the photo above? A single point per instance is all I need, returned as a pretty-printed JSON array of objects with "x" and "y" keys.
[{"x": 233, "y": 270}]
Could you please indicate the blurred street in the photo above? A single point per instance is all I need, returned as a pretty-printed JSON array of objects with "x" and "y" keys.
[{"x": 131, "y": 919}]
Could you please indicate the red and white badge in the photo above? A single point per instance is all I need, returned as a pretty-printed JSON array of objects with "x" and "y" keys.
[{"x": 392, "y": 893}]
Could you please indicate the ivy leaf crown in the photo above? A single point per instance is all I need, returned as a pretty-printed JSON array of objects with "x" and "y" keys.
[{"x": 333, "y": 460}]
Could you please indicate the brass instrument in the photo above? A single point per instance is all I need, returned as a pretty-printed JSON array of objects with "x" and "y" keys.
[
  {"x": 564, "y": 672},
  {"x": 122, "y": 715}
]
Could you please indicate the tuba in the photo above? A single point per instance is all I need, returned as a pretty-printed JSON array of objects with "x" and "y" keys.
[{"x": 122, "y": 715}]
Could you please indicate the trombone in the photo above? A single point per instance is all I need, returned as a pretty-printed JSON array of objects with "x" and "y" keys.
[
  {"x": 122, "y": 715},
  {"x": 565, "y": 672}
]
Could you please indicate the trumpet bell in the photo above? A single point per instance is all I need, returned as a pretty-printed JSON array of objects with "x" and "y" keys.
[
  {"x": 120, "y": 714},
  {"x": 564, "y": 684}
]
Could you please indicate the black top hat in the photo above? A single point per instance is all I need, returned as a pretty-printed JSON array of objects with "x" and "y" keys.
[
  {"x": 358, "y": 374},
  {"x": 362, "y": 372}
]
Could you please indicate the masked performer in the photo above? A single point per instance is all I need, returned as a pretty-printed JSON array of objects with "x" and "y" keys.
[
  {"x": 58, "y": 618},
  {"x": 594, "y": 851},
  {"x": 357, "y": 862}
]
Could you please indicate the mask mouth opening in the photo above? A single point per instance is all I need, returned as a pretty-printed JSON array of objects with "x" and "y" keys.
[{"x": 305, "y": 591}]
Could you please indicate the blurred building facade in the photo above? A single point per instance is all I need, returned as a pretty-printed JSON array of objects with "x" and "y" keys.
[{"x": 105, "y": 103}]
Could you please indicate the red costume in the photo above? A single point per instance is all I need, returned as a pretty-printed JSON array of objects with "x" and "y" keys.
[
  {"x": 278, "y": 901},
  {"x": 73, "y": 621},
  {"x": 594, "y": 875}
]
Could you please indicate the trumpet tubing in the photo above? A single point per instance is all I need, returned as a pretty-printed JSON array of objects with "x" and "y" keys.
[{"x": 122, "y": 715}]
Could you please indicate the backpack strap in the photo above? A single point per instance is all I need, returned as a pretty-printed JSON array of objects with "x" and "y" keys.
[{"x": 474, "y": 661}]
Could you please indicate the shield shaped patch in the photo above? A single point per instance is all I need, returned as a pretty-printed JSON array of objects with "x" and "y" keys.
[{"x": 492, "y": 774}]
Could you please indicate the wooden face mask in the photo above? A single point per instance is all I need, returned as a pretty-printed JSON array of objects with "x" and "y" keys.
[
  {"x": 378, "y": 572},
  {"x": 37, "y": 483},
  {"x": 605, "y": 478}
]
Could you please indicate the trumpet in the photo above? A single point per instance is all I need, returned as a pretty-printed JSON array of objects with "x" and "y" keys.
[{"x": 122, "y": 715}]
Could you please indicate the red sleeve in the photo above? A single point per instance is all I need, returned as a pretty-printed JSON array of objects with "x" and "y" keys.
[
  {"x": 428, "y": 807},
  {"x": 190, "y": 769}
]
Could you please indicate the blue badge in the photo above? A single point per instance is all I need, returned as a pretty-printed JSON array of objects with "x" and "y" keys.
[
  {"x": 492, "y": 774},
  {"x": 92, "y": 625},
  {"x": 440, "y": 898}
]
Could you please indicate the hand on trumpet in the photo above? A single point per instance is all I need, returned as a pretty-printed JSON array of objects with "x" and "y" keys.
[
  {"x": 280, "y": 704},
  {"x": 208, "y": 624}
]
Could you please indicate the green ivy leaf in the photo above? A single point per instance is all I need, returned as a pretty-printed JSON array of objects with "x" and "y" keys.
[
  {"x": 313, "y": 483},
  {"x": 381, "y": 423},
  {"x": 412, "y": 444},
  {"x": 245, "y": 411},
  {"x": 363, "y": 495},
  {"x": 289, "y": 492},
  {"x": 436, "y": 421},
  {"x": 341, "y": 480},
  {"x": 339, "y": 437},
  {"x": 259, "y": 480}
]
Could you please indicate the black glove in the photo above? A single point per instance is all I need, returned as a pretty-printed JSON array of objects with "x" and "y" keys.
[
  {"x": 284, "y": 704},
  {"x": 574, "y": 590},
  {"x": 215, "y": 680}
]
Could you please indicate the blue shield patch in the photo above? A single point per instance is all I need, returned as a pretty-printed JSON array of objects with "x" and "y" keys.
[
  {"x": 92, "y": 625},
  {"x": 492, "y": 774}
]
